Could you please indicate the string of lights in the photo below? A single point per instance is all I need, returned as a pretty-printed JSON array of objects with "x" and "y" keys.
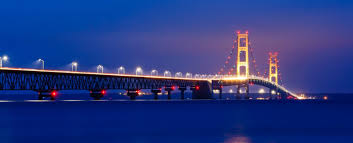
[
  {"x": 229, "y": 60},
  {"x": 253, "y": 60}
]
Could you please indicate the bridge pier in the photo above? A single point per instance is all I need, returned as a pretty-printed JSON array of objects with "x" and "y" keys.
[
  {"x": 247, "y": 92},
  {"x": 283, "y": 96},
  {"x": 220, "y": 90},
  {"x": 270, "y": 94},
  {"x": 274, "y": 94},
  {"x": 201, "y": 91},
  {"x": 133, "y": 93},
  {"x": 47, "y": 93},
  {"x": 246, "y": 95},
  {"x": 97, "y": 94},
  {"x": 155, "y": 92},
  {"x": 169, "y": 89},
  {"x": 238, "y": 96},
  {"x": 182, "y": 92}
]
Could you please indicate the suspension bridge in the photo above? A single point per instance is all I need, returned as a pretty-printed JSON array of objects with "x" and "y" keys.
[{"x": 48, "y": 82}]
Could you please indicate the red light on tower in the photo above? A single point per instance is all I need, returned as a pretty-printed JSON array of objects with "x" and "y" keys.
[
  {"x": 173, "y": 87},
  {"x": 197, "y": 87}
]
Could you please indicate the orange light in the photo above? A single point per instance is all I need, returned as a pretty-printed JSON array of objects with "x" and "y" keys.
[{"x": 325, "y": 97}]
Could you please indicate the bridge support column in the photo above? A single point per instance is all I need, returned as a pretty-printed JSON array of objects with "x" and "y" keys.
[
  {"x": 201, "y": 91},
  {"x": 133, "y": 93},
  {"x": 97, "y": 94},
  {"x": 283, "y": 96},
  {"x": 182, "y": 92},
  {"x": 47, "y": 93},
  {"x": 155, "y": 92},
  {"x": 238, "y": 96},
  {"x": 274, "y": 94},
  {"x": 247, "y": 92},
  {"x": 169, "y": 89}
]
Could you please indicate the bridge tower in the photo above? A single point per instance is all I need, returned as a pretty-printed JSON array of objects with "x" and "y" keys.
[
  {"x": 273, "y": 67},
  {"x": 242, "y": 54}
]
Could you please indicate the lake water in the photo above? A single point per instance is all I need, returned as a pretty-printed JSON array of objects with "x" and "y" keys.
[{"x": 206, "y": 121}]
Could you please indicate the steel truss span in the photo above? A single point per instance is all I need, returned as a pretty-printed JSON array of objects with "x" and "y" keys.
[
  {"x": 52, "y": 80},
  {"x": 29, "y": 79}
]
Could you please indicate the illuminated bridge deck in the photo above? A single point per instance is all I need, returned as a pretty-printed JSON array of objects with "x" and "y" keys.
[{"x": 47, "y": 80}]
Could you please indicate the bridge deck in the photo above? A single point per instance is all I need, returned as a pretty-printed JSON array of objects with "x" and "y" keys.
[{"x": 34, "y": 79}]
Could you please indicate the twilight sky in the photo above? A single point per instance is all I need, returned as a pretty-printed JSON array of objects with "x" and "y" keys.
[{"x": 314, "y": 37}]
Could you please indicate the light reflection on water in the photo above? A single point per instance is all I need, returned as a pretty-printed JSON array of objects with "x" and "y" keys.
[
  {"x": 207, "y": 121},
  {"x": 238, "y": 139},
  {"x": 6, "y": 101}
]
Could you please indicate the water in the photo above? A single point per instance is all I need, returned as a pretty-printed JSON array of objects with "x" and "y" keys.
[{"x": 207, "y": 121}]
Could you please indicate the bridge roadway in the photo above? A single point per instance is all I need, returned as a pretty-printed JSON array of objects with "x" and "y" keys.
[{"x": 48, "y": 82}]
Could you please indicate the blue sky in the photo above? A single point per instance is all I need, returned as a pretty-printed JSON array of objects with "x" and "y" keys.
[{"x": 313, "y": 37}]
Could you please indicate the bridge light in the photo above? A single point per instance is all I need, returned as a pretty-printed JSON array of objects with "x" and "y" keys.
[
  {"x": 74, "y": 66},
  {"x": 188, "y": 75},
  {"x": 54, "y": 93},
  {"x": 139, "y": 71},
  {"x": 138, "y": 92},
  {"x": 154, "y": 73},
  {"x": 273, "y": 92},
  {"x": 197, "y": 87},
  {"x": 167, "y": 74},
  {"x": 179, "y": 74},
  {"x": 121, "y": 70},
  {"x": 42, "y": 61},
  {"x": 103, "y": 92},
  {"x": 325, "y": 98},
  {"x": 262, "y": 91},
  {"x": 5, "y": 58},
  {"x": 100, "y": 69}
]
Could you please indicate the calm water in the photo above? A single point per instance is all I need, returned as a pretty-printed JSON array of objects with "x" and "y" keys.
[{"x": 209, "y": 121}]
